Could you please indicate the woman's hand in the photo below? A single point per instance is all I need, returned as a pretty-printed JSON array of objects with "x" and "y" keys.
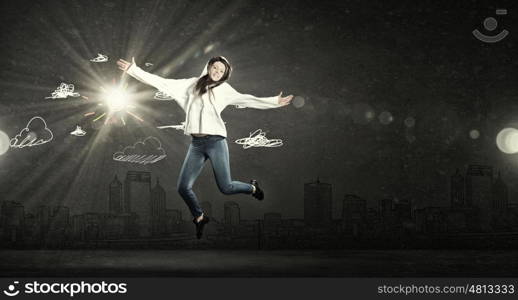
[
  {"x": 284, "y": 100},
  {"x": 125, "y": 65}
]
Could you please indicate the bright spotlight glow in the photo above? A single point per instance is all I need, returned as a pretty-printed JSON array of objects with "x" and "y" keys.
[
  {"x": 116, "y": 99},
  {"x": 507, "y": 140},
  {"x": 117, "y": 103}
]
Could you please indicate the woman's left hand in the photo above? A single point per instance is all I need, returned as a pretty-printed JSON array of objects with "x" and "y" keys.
[
  {"x": 284, "y": 100},
  {"x": 125, "y": 65}
]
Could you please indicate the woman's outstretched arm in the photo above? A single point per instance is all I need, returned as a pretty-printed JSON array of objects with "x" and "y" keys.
[
  {"x": 176, "y": 88},
  {"x": 245, "y": 100}
]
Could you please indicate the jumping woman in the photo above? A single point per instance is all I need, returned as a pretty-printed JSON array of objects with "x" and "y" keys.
[{"x": 203, "y": 99}]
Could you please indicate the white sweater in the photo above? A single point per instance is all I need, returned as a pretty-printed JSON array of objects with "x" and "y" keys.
[{"x": 202, "y": 114}]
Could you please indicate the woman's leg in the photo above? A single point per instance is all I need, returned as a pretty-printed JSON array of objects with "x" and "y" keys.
[
  {"x": 219, "y": 158},
  {"x": 191, "y": 169}
]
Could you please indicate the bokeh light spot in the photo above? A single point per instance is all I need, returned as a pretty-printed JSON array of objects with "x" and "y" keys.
[
  {"x": 385, "y": 118},
  {"x": 474, "y": 134},
  {"x": 298, "y": 101},
  {"x": 4, "y": 142},
  {"x": 507, "y": 140},
  {"x": 410, "y": 122},
  {"x": 362, "y": 113}
]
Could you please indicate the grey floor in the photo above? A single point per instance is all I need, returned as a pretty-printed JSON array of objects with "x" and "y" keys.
[{"x": 210, "y": 263}]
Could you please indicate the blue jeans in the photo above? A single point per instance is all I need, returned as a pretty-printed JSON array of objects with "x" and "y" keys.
[{"x": 215, "y": 148}]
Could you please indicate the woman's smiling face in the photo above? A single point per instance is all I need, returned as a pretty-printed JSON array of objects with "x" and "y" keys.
[{"x": 216, "y": 71}]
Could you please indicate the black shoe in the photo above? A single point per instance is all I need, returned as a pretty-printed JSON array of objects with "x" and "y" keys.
[
  {"x": 259, "y": 194},
  {"x": 200, "y": 225}
]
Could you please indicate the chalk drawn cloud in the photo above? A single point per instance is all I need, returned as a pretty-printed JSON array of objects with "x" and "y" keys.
[
  {"x": 100, "y": 58},
  {"x": 34, "y": 134},
  {"x": 148, "y": 151},
  {"x": 162, "y": 96},
  {"x": 78, "y": 131},
  {"x": 258, "y": 139},
  {"x": 181, "y": 126},
  {"x": 63, "y": 91}
]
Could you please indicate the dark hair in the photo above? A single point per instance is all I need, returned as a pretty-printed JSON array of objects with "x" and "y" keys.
[{"x": 205, "y": 82}]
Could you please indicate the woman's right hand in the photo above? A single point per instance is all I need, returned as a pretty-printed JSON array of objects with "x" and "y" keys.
[
  {"x": 125, "y": 65},
  {"x": 284, "y": 100}
]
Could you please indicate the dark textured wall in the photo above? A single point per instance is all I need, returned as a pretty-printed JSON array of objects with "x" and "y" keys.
[{"x": 412, "y": 59}]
